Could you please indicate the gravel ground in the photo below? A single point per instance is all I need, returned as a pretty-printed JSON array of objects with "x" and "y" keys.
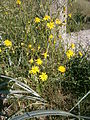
[{"x": 82, "y": 38}]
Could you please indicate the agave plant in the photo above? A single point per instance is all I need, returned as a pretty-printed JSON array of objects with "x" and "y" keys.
[
  {"x": 25, "y": 92},
  {"x": 11, "y": 88}
]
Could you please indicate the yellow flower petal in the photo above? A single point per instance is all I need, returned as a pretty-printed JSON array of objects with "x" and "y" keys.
[
  {"x": 70, "y": 15},
  {"x": 39, "y": 47},
  {"x": 46, "y": 17},
  {"x": 34, "y": 70},
  {"x": 50, "y": 25},
  {"x": 22, "y": 44},
  {"x": 51, "y": 36},
  {"x": 8, "y": 43},
  {"x": 31, "y": 61},
  {"x": 39, "y": 61},
  {"x": 62, "y": 69},
  {"x": 72, "y": 45},
  {"x": 18, "y": 2},
  {"x": 43, "y": 76},
  {"x": 45, "y": 55},
  {"x": 80, "y": 53},
  {"x": 0, "y": 50},
  {"x": 37, "y": 20},
  {"x": 58, "y": 21},
  {"x": 29, "y": 45},
  {"x": 69, "y": 53}
]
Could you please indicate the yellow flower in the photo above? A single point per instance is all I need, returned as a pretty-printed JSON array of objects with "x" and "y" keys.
[
  {"x": 39, "y": 47},
  {"x": 62, "y": 69},
  {"x": 13, "y": 51},
  {"x": 80, "y": 53},
  {"x": 22, "y": 44},
  {"x": 37, "y": 20},
  {"x": 8, "y": 43},
  {"x": 29, "y": 22},
  {"x": 27, "y": 53},
  {"x": 45, "y": 55},
  {"x": 43, "y": 76},
  {"x": 0, "y": 50},
  {"x": 58, "y": 21},
  {"x": 51, "y": 36},
  {"x": 65, "y": 20},
  {"x": 46, "y": 17},
  {"x": 70, "y": 15},
  {"x": 18, "y": 2},
  {"x": 60, "y": 36},
  {"x": 72, "y": 45},
  {"x": 31, "y": 60},
  {"x": 33, "y": 49},
  {"x": 39, "y": 61},
  {"x": 34, "y": 70},
  {"x": 69, "y": 53},
  {"x": 54, "y": 41},
  {"x": 64, "y": 9},
  {"x": 50, "y": 25},
  {"x": 29, "y": 45}
]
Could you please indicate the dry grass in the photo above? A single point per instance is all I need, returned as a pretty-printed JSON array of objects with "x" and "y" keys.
[{"x": 85, "y": 6}]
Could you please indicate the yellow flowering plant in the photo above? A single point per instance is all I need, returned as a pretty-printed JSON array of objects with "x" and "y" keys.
[
  {"x": 37, "y": 20},
  {"x": 31, "y": 60},
  {"x": 80, "y": 53},
  {"x": 34, "y": 70},
  {"x": 72, "y": 45},
  {"x": 39, "y": 61},
  {"x": 62, "y": 69},
  {"x": 58, "y": 21},
  {"x": 18, "y": 2},
  {"x": 46, "y": 17},
  {"x": 69, "y": 53},
  {"x": 70, "y": 15},
  {"x": 45, "y": 55},
  {"x": 7, "y": 43},
  {"x": 50, "y": 25},
  {"x": 51, "y": 36},
  {"x": 43, "y": 76}
]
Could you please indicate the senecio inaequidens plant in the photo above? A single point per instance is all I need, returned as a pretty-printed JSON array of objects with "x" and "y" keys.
[{"x": 33, "y": 50}]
